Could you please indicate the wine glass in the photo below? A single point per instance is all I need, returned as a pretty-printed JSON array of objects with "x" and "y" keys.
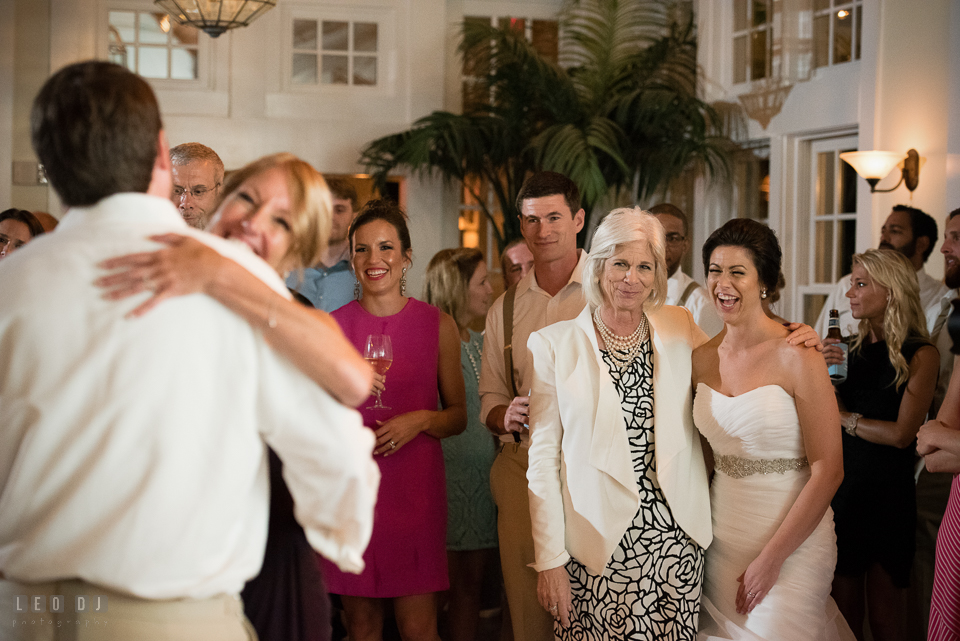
[{"x": 379, "y": 353}]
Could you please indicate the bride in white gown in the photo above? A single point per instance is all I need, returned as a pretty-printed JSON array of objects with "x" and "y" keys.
[{"x": 769, "y": 413}]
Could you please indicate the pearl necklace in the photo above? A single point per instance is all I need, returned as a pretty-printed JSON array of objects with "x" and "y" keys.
[{"x": 622, "y": 349}]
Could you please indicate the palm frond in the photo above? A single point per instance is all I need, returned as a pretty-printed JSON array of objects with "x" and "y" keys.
[{"x": 622, "y": 111}]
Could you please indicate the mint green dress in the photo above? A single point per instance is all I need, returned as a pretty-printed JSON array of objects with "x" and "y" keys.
[{"x": 471, "y": 512}]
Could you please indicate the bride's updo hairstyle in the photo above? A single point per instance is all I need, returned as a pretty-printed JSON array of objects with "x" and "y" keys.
[
  {"x": 619, "y": 227},
  {"x": 758, "y": 239}
]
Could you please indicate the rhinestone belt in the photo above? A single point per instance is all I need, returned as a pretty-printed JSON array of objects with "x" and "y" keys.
[{"x": 738, "y": 468}]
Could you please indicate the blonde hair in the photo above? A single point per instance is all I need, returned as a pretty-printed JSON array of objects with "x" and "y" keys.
[
  {"x": 619, "y": 227},
  {"x": 448, "y": 281},
  {"x": 904, "y": 315},
  {"x": 310, "y": 205}
]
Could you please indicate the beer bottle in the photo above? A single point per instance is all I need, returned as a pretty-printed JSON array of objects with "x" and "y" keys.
[{"x": 838, "y": 373}]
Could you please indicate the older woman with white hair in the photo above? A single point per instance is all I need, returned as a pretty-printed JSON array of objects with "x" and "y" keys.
[{"x": 618, "y": 487}]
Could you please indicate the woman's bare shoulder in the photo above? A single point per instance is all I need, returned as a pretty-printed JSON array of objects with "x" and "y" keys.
[{"x": 795, "y": 364}]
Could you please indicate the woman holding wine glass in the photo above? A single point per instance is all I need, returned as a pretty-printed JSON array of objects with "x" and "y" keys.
[
  {"x": 379, "y": 353},
  {"x": 406, "y": 560}
]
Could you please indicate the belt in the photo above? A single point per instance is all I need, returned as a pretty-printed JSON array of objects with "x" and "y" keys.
[{"x": 738, "y": 468}]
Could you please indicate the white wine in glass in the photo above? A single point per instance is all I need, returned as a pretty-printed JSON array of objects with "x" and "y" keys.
[{"x": 379, "y": 353}]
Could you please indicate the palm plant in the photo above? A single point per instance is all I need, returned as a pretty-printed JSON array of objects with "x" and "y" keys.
[{"x": 620, "y": 112}]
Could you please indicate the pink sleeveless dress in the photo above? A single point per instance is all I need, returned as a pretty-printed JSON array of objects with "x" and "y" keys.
[
  {"x": 945, "y": 603},
  {"x": 407, "y": 553}
]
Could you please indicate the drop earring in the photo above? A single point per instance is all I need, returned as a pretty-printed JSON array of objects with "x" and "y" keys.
[
  {"x": 356, "y": 290},
  {"x": 403, "y": 282},
  {"x": 763, "y": 293}
]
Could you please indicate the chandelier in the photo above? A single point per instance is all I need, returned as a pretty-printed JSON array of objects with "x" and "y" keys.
[
  {"x": 215, "y": 16},
  {"x": 765, "y": 99}
]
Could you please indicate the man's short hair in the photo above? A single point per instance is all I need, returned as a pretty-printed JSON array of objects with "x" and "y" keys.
[
  {"x": 344, "y": 190},
  {"x": 954, "y": 213},
  {"x": 503, "y": 255},
  {"x": 189, "y": 152},
  {"x": 667, "y": 209},
  {"x": 550, "y": 183},
  {"x": 95, "y": 127},
  {"x": 923, "y": 226}
]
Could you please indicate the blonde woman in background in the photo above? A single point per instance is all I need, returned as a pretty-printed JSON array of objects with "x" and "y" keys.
[
  {"x": 457, "y": 283},
  {"x": 891, "y": 375}
]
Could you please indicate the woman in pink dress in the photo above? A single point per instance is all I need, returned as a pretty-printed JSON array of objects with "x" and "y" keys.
[{"x": 406, "y": 560}]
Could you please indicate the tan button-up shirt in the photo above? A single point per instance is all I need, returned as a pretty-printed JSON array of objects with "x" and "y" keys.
[{"x": 533, "y": 310}]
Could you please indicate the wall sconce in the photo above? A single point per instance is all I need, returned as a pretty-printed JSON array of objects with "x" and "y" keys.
[{"x": 874, "y": 165}]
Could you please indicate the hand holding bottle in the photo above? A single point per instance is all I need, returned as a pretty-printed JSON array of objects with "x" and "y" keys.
[{"x": 835, "y": 351}]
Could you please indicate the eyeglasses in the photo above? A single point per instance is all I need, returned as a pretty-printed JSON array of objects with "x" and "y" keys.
[
  {"x": 196, "y": 192},
  {"x": 675, "y": 239},
  {"x": 5, "y": 241}
]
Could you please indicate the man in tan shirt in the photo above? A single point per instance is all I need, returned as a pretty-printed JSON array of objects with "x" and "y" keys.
[{"x": 550, "y": 217}]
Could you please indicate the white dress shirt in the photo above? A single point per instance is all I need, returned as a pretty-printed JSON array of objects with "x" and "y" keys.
[
  {"x": 698, "y": 302},
  {"x": 133, "y": 450},
  {"x": 533, "y": 309},
  {"x": 941, "y": 338},
  {"x": 931, "y": 291}
]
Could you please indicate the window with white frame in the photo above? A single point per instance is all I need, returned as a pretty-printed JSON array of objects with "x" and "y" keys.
[
  {"x": 475, "y": 228},
  {"x": 334, "y": 52},
  {"x": 836, "y": 31},
  {"x": 830, "y": 222},
  {"x": 543, "y": 34},
  {"x": 752, "y": 39},
  {"x": 151, "y": 44},
  {"x": 751, "y": 181}
]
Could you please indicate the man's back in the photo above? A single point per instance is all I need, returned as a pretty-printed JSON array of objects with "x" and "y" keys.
[{"x": 133, "y": 455}]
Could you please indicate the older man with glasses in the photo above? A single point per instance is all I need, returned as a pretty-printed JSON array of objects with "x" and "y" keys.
[
  {"x": 197, "y": 177},
  {"x": 681, "y": 289},
  {"x": 17, "y": 228}
]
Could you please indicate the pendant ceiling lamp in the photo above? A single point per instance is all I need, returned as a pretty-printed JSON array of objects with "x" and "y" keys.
[{"x": 215, "y": 16}]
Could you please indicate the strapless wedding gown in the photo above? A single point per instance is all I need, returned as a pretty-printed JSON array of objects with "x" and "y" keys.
[{"x": 761, "y": 428}]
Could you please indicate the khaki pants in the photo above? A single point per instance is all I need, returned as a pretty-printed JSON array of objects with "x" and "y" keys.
[
  {"x": 508, "y": 481},
  {"x": 126, "y": 618}
]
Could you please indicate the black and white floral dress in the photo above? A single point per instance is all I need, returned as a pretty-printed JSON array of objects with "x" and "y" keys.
[{"x": 650, "y": 589}]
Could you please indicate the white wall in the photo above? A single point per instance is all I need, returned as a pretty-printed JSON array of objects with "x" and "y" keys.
[
  {"x": 31, "y": 63},
  {"x": 914, "y": 106},
  {"x": 241, "y": 106},
  {"x": 903, "y": 93},
  {"x": 7, "y": 31}
]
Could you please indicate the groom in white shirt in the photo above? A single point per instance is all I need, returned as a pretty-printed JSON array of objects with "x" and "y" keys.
[{"x": 133, "y": 461}]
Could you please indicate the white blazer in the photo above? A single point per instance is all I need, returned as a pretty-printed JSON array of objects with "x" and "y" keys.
[{"x": 583, "y": 489}]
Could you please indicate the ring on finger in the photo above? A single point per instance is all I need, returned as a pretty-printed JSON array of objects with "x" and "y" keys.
[
  {"x": 553, "y": 608},
  {"x": 751, "y": 594},
  {"x": 393, "y": 445}
]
